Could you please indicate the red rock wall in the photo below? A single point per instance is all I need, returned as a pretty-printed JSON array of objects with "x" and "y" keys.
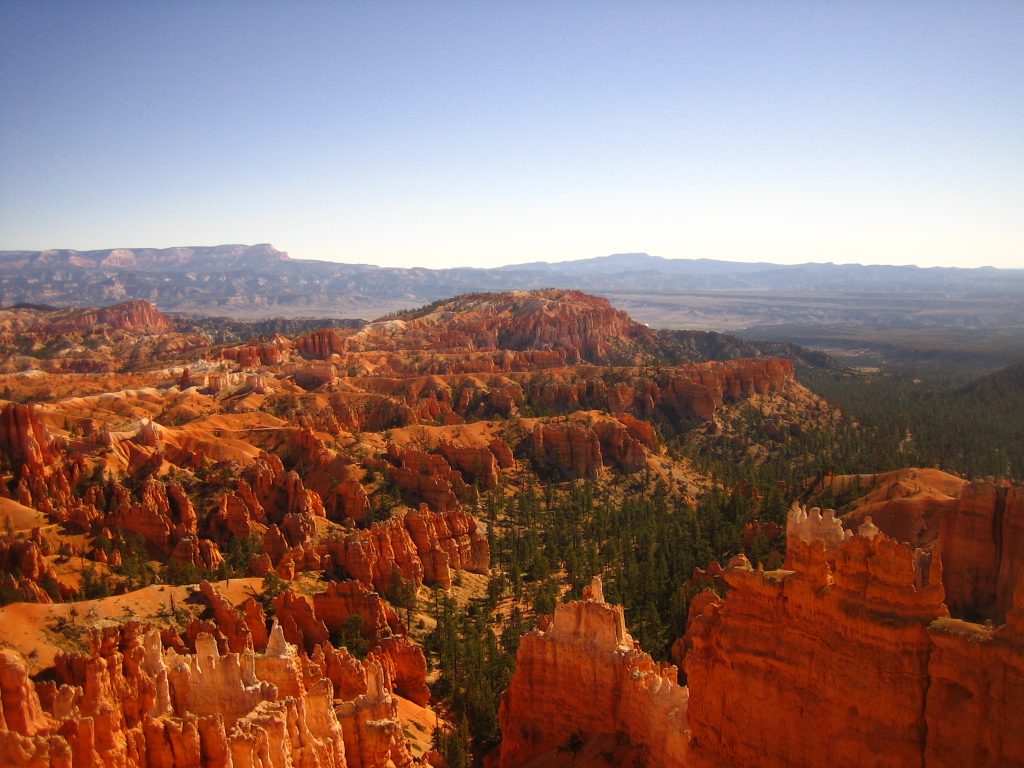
[
  {"x": 569, "y": 451},
  {"x": 982, "y": 543},
  {"x": 128, "y": 703},
  {"x": 584, "y": 677},
  {"x": 427, "y": 478},
  {"x": 129, "y": 316},
  {"x": 419, "y": 544},
  {"x": 23, "y": 438},
  {"x": 975, "y": 701},
  {"x": 850, "y": 656}
]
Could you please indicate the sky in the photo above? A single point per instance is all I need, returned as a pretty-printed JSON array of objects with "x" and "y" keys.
[{"x": 442, "y": 134}]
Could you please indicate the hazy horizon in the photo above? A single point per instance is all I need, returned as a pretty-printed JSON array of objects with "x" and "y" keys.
[
  {"x": 525, "y": 262},
  {"x": 452, "y": 135}
]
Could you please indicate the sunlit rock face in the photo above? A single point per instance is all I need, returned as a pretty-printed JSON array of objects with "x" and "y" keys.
[
  {"x": 850, "y": 654},
  {"x": 133, "y": 703},
  {"x": 983, "y": 550},
  {"x": 847, "y": 656},
  {"x": 584, "y": 678}
]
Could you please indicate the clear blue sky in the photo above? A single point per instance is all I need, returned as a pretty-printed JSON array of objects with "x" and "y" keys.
[{"x": 483, "y": 133}]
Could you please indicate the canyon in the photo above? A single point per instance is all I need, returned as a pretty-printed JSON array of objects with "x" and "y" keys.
[
  {"x": 220, "y": 553},
  {"x": 857, "y": 650},
  {"x": 243, "y": 552}
]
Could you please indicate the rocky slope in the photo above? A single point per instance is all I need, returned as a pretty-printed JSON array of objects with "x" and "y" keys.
[
  {"x": 121, "y": 337},
  {"x": 573, "y": 323}
]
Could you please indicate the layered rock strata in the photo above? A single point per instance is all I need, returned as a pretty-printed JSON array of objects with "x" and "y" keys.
[
  {"x": 132, "y": 703},
  {"x": 850, "y": 655},
  {"x": 417, "y": 544},
  {"x": 982, "y": 542},
  {"x": 585, "y": 678}
]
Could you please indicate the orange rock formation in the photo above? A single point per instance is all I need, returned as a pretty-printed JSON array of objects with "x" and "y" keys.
[
  {"x": 584, "y": 678},
  {"x": 347, "y": 456},
  {"x": 847, "y": 655},
  {"x": 851, "y": 654},
  {"x": 133, "y": 703}
]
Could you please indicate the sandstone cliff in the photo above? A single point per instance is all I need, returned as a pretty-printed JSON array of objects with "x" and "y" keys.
[
  {"x": 418, "y": 544},
  {"x": 849, "y": 655},
  {"x": 982, "y": 542},
  {"x": 584, "y": 678}
]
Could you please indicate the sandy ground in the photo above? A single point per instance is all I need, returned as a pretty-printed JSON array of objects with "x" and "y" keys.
[
  {"x": 21, "y": 518},
  {"x": 39, "y": 632},
  {"x": 906, "y": 504},
  {"x": 418, "y": 725}
]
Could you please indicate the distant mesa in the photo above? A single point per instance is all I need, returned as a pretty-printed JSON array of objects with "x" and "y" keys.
[
  {"x": 471, "y": 333},
  {"x": 204, "y": 257},
  {"x": 261, "y": 281}
]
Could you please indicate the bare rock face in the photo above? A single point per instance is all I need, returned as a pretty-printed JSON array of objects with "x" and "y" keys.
[
  {"x": 299, "y": 622},
  {"x": 478, "y": 465},
  {"x": 140, "y": 316},
  {"x": 858, "y": 625},
  {"x": 20, "y": 710},
  {"x": 428, "y": 478},
  {"x": 373, "y": 554},
  {"x": 907, "y": 504},
  {"x": 274, "y": 352},
  {"x": 242, "y": 627},
  {"x": 620, "y": 445},
  {"x": 353, "y": 503},
  {"x": 25, "y": 570},
  {"x": 23, "y": 438},
  {"x": 150, "y": 517},
  {"x": 132, "y": 703},
  {"x": 502, "y": 453},
  {"x": 983, "y": 550},
  {"x": 584, "y": 678},
  {"x": 311, "y": 623},
  {"x": 695, "y": 392},
  {"x": 975, "y": 700},
  {"x": 569, "y": 451},
  {"x": 406, "y": 666},
  {"x": 447, "y": 541},
  {"x": 373, "y": 736},
  {"x": 566, "y": 326},
  {"x": 344, "y": 599},
  {"x": 417, "y": 544},
  {"x": 323, "y": 343}
]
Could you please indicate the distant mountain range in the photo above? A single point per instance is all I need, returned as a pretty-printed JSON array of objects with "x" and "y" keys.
[
  {"x": 259, "y": 281},
  {"x": 623, "y": 269}
]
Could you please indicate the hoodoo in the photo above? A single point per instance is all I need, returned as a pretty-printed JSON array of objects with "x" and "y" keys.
[
  {"x": 847, "y": 654},
  {"x": 851, "y": 652},
  {"x": 132, "y": 702},
  {"x": 583, "y": 683}
]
